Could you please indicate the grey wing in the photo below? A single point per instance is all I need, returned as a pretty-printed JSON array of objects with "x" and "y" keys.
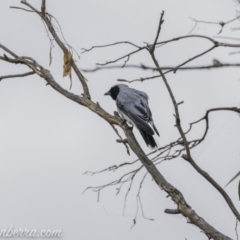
[
  {"x": 144, "y": 105},
  {"x": 131, "y": 106},
  {"x": 144, "y": 101}
]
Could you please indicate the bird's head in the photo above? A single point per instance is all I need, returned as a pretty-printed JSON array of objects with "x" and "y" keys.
[{"x": 114, "y": 91}]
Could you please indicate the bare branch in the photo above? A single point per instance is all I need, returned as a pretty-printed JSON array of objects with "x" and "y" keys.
[
  {"x": 108, "y": 45},
  {"x": 127, "y": 177},
  {"x": 172, "y": 211},
  {"x": 196, "y": 142},
  {"x": 230, "y": 38},
  {"x": 152, "y": 48},
  {"x": 22, "y": 9},
  {"x": 125, "y": 143},
  {"x": 235, "y": 29},
  {"x": 62, "y": 46},
  {"x": 8, "y": 51},
  {"x": 236, "y": 228},
  {"x": 143, "y": 214},
  {"x": 232, "y": 53},
  {"x": 195, "y": 24},
  {"x": 144, "y": 67},
  {"x": 200, "y": 36},
  {"x": 126, "y": 196},
  {"x": 125, "y": 56},
  {"x": 112, "y": 168},
  {"x": 197, "y": 56},
  {"x": 138, "y": 199},
  {"x": 66, "y": 43},
  {"x": 188, "y": 156},
  {"x": 139, "y": 79},
  {"x": 126, "y": 61},
  {"x": 222, "y": 24},
  {"x": 17, "y": 75},
  {"x": 43, "y": 7}
]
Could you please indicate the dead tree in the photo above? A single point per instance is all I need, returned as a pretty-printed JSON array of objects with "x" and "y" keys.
[{"x": 181, "y": 147}]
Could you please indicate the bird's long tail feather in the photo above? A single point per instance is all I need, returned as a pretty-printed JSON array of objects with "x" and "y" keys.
[
  {"x": 154, "y": 127},
  {"x": 149, "y": 139}
]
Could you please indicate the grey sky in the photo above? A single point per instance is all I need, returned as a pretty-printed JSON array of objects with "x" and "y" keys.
[{"x": 48, "y": 142}]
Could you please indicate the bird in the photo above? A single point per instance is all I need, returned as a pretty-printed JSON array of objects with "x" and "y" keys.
[{"x": 132, "y": 105}]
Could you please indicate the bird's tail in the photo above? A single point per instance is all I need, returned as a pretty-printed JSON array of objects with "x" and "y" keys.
[
  {"x": 154, "y": 127},
  {"x": 149, "y": 139}
]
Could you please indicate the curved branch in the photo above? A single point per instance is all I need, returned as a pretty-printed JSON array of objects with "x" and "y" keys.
[
  {"x": 51, "y": 29},
  {"x": 188, "y": 156},
  {"x": 17, "y": 75},
  {"x": 205, "y": 117},
  {"x": 222, "y": 24},
  {"x": 200, "y": 36},
  {"x": 125, "y": 56},
  {"x": 190, "y": 59},
  {"x": 108, "y": 45}
]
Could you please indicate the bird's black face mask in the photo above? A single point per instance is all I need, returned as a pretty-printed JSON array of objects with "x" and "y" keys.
[{"x": 113, "y": 92}]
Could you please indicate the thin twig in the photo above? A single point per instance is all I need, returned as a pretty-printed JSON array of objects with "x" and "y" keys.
[
  {"x": 197, "y": 56},
  {"x": 230, "y": 38},
  {"x": 47, "y": 20},
  {"x": 222, "y": 24},
  {"x": 172, "y": 211},
  {"x": 144, "y": 67},
  {"x": 199, "y": 36},
  {"x": 17, "y": 75},
  {"x": 152, "y": 48},
  {"x": 22, "y": 9},
  {"x": 8, "y": 51},
  {"x": 195, "y": 24},
  {"x": 108, "y": 45},
  {"x": 196, "y": 142},
  {"x": 67, "y": 44},
  {"x": 125, "y": 56},
  {"x": 125, "y": 144},
  {"x": 236, "y": 226}
]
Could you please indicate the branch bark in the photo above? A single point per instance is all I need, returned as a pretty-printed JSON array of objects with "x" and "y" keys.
[{"x": 17, "y": 75}]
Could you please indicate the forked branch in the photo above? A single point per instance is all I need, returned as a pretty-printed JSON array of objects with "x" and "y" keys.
[{"x": 177, "y": 197}]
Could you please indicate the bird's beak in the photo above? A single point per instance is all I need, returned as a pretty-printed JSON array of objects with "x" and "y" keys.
[{"x": 107, "y": 93}]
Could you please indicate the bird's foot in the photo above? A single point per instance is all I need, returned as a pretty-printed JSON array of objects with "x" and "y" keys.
[
  {"x": 123, "y": 121},
  {"x": 116, "y": 114}
]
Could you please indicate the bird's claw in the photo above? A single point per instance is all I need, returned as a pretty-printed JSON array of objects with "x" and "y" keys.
[{"x": 124, "y": 121}]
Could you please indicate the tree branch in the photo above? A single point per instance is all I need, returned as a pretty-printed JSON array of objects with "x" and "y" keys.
[
  {"x": 51, "y": 29},
  {"x": 222, "y": 24},
  {"x": 108, "y": 45},
  {"x": 144, "y": 67},
  {"x": 125, "y": 56},
  {"x": 43, "y": 7},
  {"x": 158, "y": 32},
  {"x": 197, "y": 56},
  {"x": 124, "y": 142},
  {"x": 17, "y": 75},
  {"x": 200, "y": 36},
  {"x": 188, "y": 156},
  {"x": 172, "y": 211}
]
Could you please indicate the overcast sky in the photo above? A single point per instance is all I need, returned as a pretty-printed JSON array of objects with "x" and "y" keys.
[{"x": 48, "y": 142}]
